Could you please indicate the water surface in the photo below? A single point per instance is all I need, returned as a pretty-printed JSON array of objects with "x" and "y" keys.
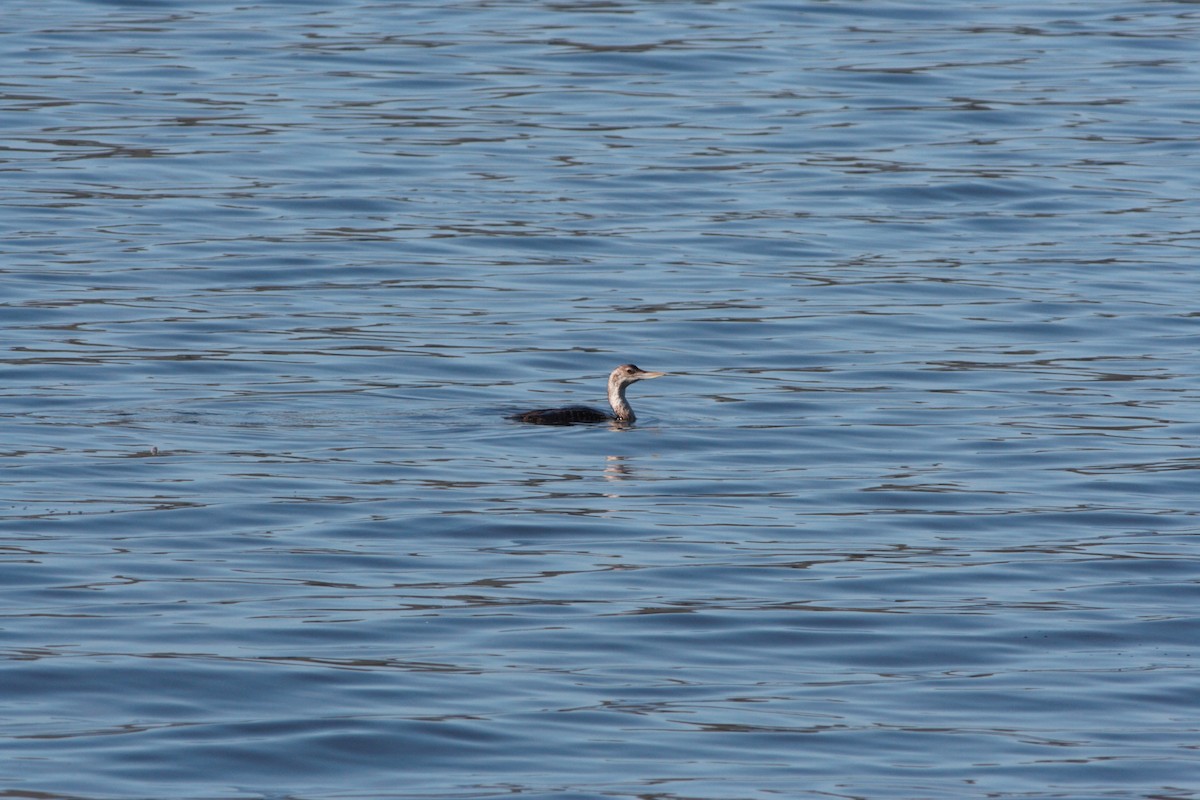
[{"x": 914, "y": 515}]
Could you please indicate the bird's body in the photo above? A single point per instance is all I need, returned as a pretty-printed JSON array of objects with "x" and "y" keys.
[
  {"x": 618, "y": 381},
  {"x": 569, "y": 415}
]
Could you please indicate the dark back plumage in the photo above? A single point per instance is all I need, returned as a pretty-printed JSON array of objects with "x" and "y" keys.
[{"x": 562, "y": 416}]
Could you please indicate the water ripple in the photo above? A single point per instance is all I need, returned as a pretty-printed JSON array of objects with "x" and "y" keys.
[{"x": 913, "y": 514}]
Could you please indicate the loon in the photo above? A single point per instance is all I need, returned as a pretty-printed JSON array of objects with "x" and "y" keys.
[{"x": 618, "y": 381}]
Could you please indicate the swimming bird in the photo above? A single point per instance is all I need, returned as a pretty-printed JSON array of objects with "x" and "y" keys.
[{"x": 618, "y": 381}]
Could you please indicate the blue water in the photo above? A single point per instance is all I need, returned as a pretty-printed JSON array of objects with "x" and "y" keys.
[{"x": 914, "y": 514}]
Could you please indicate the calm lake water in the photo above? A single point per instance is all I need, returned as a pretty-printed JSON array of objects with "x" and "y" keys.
[{"x": 915, "y": 515}]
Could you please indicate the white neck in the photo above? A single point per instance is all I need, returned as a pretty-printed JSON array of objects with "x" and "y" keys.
[{"x": 616, "y": 399}]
